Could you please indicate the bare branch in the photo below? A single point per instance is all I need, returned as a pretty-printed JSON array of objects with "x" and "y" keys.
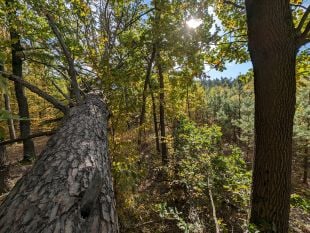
[
  {"x": 36, "y": 90},
  {"x": 35, "y": 135}
]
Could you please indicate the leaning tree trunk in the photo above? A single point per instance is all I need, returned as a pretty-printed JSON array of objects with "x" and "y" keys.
[
  {"x": 69, "y": 189},
  {"x": 273, "y": 52}
]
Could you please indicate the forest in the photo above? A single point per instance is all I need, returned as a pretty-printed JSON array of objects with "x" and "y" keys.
[{"x": 162, "y": 116}]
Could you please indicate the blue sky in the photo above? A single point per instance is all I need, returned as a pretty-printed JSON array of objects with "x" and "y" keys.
[{"x": 233, "y": 69}]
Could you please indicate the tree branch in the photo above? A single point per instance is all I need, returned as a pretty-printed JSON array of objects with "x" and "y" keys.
[
  {"x": 72, "y": 72},
  {"x": 35, "y": 135},
  {"x": 304, "y": 37},
  {"x": 303, "y": 20},
  {"x": 36, "y": 90},
  {"x": 297, "y": 5},
  {"x": 135, "y": 20},
  {"x": 60, "y": 91},
  {"x": 58, "y": 68},
  {"x": 306, "y": 31},
  {"x": 234, "y": 4},
  {"x": 217, "y": 227}
]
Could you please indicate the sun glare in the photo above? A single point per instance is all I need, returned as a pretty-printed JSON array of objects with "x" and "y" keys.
[{"x": 193, "y": 23}]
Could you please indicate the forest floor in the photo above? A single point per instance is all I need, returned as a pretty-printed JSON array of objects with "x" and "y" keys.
[{"x": 299, "y": 218}]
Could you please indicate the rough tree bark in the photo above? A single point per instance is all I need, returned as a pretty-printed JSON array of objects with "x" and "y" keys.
[
  {"x": 69, "y": 188},
  {"x": 17, "y": 69},
  {"x": 273, "y": 49}
]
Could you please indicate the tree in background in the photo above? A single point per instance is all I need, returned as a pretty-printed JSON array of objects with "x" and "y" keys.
[
  {"x": 17, "y": 69},
  {"x": 132, "y": 50},
  {"x": 301, "y": 120}
]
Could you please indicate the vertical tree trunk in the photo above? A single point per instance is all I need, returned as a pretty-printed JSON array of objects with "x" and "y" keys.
[
  {"x": 273, "y": 52},
  {"x": 4, "y": 178},
  {"x": 8, "y": 109},
  {"x": 9, "y": 121},
  {"x": 239, "y": 112},
  {"x": 144, "y": 93},
  {"x": 69, "y": 188},
  {"x": 4, "y": 170},
  {"x": 155, "y": 123},
  {"x": 306, "y": 166},
  {"x": 164, "y": 151},
  {"x": 17, "y": 69},
  {"x": 3, "y": 154},
  {"x": 188, "y": 103},
  {"x": 306, "y": 155}
]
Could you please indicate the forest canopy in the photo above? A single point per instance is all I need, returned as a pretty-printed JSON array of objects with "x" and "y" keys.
[{"x": 156, "y": 116}]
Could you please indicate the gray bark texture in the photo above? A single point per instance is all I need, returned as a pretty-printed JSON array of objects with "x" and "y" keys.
[{"x": 70, "y": 188}]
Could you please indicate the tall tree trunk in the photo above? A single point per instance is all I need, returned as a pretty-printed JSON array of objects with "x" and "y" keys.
[
  {"x": 155, "y": 122},
  {"x": 144, "y": 93},
  {"x": 4, "y": 179},
  {"x": 8, "y": 109},
  {"x": 239, "y": 112},
  {"x": 273, "y": 52},
  {"x": 3, "y": 155},
  {"x": 164, "y": 151},
  {"x": 306, "y": 166},
  {"x": 306, "y": 155},
  {"x": 4, "y": 169},
  {"x": 17, "y": 69},
  {"x": 9, "y": 121},
  {"x": 188, "y": 102},
  {"x": 69, "y": 188},
  {"x": 22, "y": 101}
]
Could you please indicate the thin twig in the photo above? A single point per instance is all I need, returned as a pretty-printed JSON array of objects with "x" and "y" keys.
[{"x": 217, "y": 228}]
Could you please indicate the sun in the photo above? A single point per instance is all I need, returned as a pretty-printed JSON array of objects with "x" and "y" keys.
[{"x": 193, "y": 23}]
